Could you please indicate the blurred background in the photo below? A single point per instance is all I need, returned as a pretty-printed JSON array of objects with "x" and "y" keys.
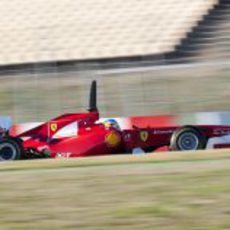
[{"x": 149, "y": 57}]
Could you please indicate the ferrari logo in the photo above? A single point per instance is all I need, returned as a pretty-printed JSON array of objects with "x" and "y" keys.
[
  {"x": 53, "y": 127},
  {"x": 144, "y": 135}
]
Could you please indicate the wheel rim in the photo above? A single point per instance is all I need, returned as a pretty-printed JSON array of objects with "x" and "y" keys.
[
  {"x": 188, "y": 141},
  {"x": 7, "y": 152}
]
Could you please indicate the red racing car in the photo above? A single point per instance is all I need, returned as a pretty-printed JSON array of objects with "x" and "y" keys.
[{"x": 82, "y": 134}]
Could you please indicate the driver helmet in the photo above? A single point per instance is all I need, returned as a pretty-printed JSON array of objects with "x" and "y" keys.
[{"x": 111, "y": 123}]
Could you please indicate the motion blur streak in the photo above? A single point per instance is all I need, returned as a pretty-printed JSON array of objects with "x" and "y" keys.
[{"x": 36, "y": 97}]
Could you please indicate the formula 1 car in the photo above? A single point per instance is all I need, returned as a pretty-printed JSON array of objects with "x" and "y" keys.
[{"x": 82, "y": 134}]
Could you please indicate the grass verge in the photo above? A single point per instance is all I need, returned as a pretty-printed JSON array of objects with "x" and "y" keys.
[{"x": 161, "y": 191}]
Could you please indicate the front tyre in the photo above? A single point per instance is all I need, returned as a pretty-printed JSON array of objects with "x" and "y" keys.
[
  {"x": 9, "y": 149},
  {"x": 187, "y": 138}
]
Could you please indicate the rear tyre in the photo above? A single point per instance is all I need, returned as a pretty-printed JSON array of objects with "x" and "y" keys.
[
  {"x": 187, "y": 138},
  {"x": 9, "y": 149}
]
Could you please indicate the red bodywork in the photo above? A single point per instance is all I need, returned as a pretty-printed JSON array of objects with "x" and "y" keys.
[
  {"x": 88, "y": 137},
  {"x": 95, "y": 139}
]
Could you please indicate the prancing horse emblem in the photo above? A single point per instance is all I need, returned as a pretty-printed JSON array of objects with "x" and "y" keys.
[
  {"x": 53, "y": 127},
  {"x": 144, "y": 135}
]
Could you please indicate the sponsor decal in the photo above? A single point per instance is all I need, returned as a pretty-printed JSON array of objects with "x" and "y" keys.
[
  {"x": 158, "y": 131},
  {"x": 144, "y": 136},
  {"x": 112, "y": 139},
  {"x": 53, "y": 127},
  {"x": 63, "y": 155},
  {"x": 127, "y": 137},
  {"x": 221, "y": 131}
]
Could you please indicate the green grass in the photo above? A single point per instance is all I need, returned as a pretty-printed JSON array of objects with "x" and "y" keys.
[{"x": 165, "y": 191}]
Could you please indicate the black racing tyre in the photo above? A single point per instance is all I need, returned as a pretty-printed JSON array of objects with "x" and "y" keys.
[
  {"x": 10, "y": 149},
  {"x": 187, "y": 138}
]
